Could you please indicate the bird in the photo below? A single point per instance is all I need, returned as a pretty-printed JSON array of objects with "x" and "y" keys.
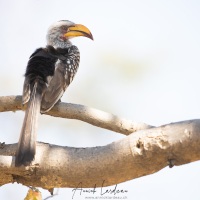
[{"x": 49, "y": 72}]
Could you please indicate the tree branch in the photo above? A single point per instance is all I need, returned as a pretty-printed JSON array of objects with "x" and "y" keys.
[
  {"x": 145, "y": 152},
  {"x": 80, "y": 112},
  {"x": 139, "y": 154}
]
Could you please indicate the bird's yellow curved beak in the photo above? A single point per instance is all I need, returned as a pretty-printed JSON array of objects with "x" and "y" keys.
[{"x": 78, "y": 30}]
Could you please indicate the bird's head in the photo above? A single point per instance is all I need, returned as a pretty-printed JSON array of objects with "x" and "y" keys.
[{"x": 59, "y": 33}]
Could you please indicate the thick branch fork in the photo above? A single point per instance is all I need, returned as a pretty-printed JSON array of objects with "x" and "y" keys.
[{"x": 141, "y": 153}]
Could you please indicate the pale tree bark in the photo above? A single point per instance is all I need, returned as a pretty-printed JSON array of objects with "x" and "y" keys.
[
  {"x": 80, "y": 112},
  {"x": 145, "y": 150}
]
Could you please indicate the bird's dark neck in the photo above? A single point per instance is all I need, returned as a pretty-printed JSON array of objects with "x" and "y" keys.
[{"x": 57, "y": 52}]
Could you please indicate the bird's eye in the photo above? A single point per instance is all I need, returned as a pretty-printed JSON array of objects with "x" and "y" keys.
[{"x": 64, "y": 28}]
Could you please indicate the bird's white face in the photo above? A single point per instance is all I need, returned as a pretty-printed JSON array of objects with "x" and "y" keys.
[
  {"x": 55, "y": 34},
  {"x": 60, "y": 32}
]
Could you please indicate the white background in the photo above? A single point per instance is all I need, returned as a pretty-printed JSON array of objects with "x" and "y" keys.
[{"x": 142, "y": 65}]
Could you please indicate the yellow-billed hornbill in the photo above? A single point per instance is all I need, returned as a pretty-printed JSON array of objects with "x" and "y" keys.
[{"x": 49, "y": 72}]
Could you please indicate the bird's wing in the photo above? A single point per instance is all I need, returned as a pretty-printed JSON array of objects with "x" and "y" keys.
[
  {"x": 38, "y": 62},
  {"x": 56, "y": 88},
  {"x": 65, "y": 69}
]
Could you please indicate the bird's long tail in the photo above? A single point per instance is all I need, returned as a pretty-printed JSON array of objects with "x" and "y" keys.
[{"x": 27, "y": 141}]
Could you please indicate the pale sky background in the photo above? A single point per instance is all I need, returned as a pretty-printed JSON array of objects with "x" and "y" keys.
[{"x": 142, "y": 65}]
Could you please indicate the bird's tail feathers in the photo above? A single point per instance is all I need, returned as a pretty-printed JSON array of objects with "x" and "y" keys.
[{"x": 27, "y": 141}]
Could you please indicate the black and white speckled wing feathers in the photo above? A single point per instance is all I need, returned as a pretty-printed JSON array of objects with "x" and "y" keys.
[{"x": 65, "y": 70}]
